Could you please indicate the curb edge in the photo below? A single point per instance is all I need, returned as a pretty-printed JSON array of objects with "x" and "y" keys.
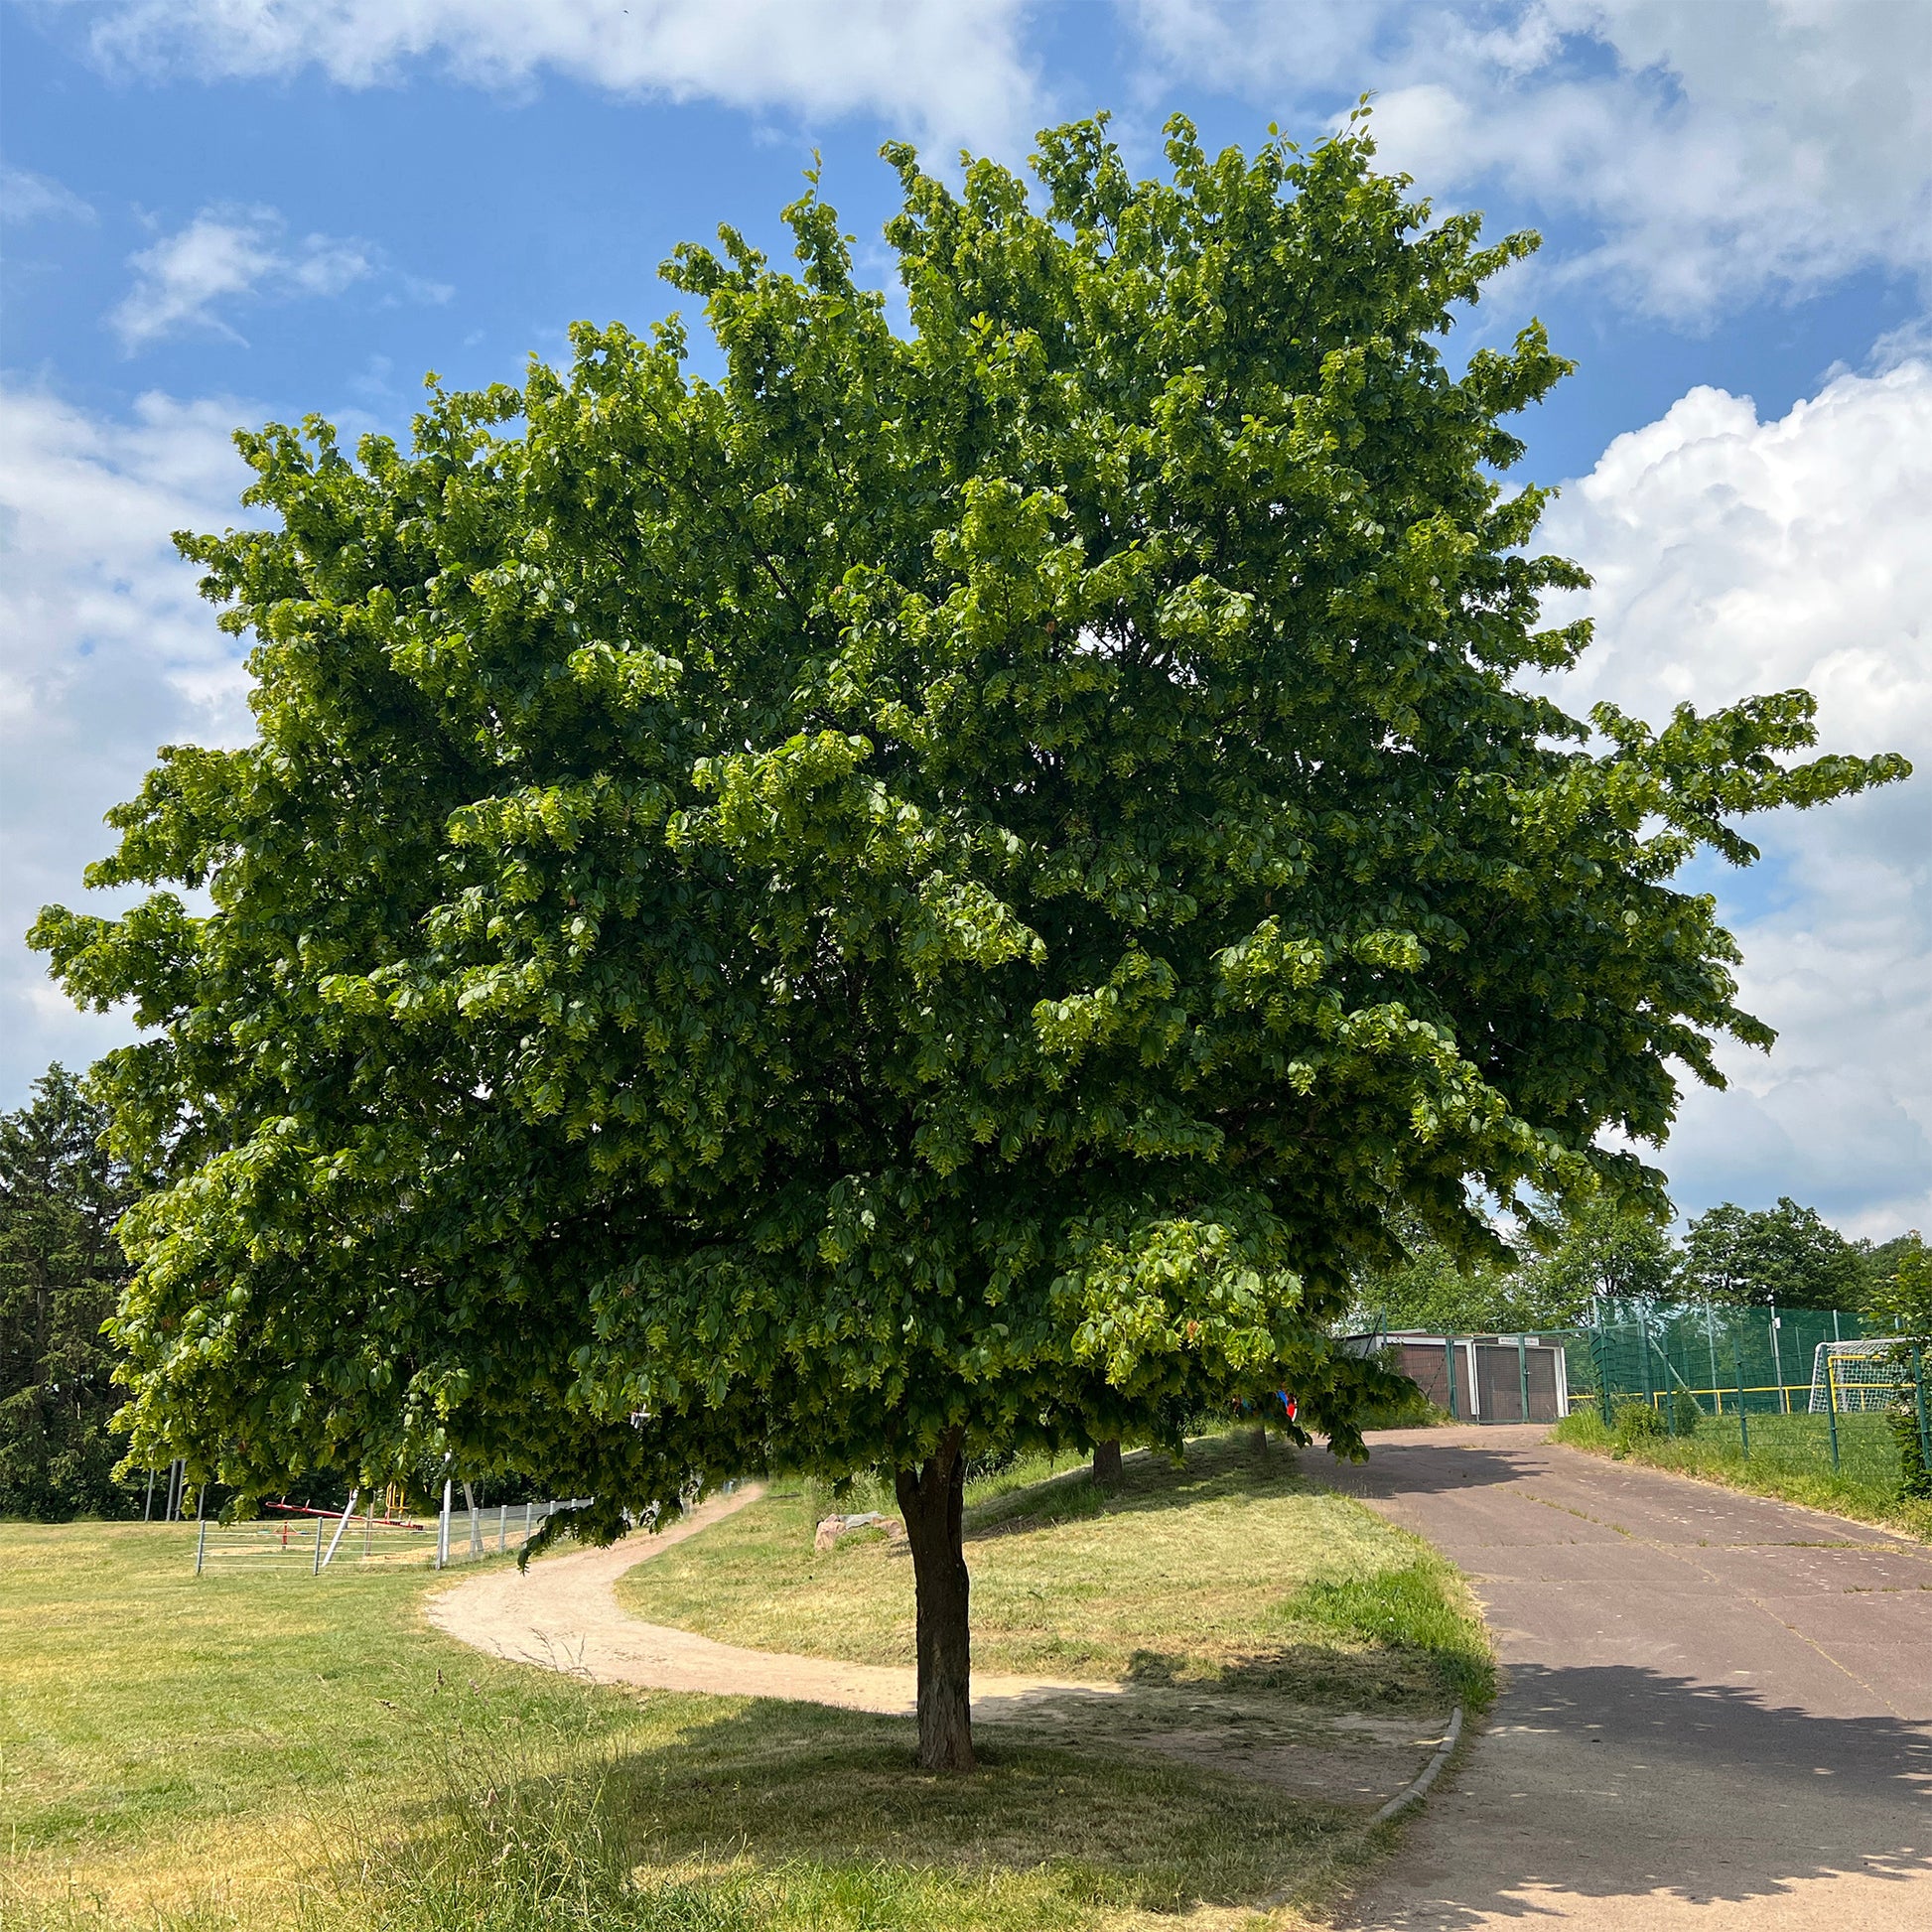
[{"x": 1428, "y": 1773}]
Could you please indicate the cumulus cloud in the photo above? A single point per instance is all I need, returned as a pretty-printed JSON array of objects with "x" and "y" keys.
[
  {"x": 1732, "y": 556},
  {"x": 105, "y": 652},
  {"x": 224, "y": 256},
  {"x": 950, "y": 70},
  {"x": 1719, "y": 150}
]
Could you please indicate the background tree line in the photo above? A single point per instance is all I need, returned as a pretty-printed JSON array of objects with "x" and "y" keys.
[
  {"x": 61, "y": 1275},
  {"x": 1787, "y": 1254}
]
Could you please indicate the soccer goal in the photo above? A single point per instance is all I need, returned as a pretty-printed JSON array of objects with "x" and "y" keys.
[{"x": 1856, "y": 1376}]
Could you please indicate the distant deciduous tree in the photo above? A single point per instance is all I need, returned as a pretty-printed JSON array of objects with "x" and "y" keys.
[
  {"x": 1434, "y": 1289},
  {"x": 1601, "y": 1248},
  {"x": 1786, "y": 1254},
  {"x": 1882, "y": 1260},
  {"x": 1605, "y": 1249},
  {"x": 61, "y": 1274},
  {"x": 1902, "y": 1297}
]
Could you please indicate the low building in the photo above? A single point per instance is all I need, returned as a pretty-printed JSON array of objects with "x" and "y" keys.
[{"x": 1482, "y": 1378}]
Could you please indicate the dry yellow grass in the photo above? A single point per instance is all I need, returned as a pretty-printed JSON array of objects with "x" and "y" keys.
[
  {"x": 179, "y": 1754},
  {"x": 1232, "y": 1567}
]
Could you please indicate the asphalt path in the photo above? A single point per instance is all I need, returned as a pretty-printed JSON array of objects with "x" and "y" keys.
[{"x": 1718, "y": 1710}]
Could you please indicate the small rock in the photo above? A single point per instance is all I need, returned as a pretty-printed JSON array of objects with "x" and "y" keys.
[{"x": 832, "y": 1528}]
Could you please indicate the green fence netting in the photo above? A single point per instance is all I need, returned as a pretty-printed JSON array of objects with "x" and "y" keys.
[{"x": 1808, "y": 1387}]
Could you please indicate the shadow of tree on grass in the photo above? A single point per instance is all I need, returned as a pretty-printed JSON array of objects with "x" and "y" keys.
[{"x": 743, "y": 1814}]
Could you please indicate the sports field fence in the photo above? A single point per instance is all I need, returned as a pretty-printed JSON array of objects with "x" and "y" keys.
[{"x": 1805, "y": 1389}]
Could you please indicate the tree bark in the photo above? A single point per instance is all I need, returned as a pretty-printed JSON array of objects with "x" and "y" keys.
[
  {"x": 1106, "y": 1462},
  {"x": 932, "y": 1500}
]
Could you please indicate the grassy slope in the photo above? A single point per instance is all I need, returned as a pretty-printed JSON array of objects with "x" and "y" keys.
[
  {"x": 175, "y": 1752},
  {"x": 1785, "y": 1463},
  {"x": 1232, "y": 1568}
]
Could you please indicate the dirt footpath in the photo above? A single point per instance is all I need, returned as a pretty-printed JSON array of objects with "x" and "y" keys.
[
  {"x": 563, "y": 1614},
  {"x": 1719, "y": 1711}
]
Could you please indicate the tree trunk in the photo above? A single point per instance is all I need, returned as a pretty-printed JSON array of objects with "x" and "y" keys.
[
  {"x": 932, "y": 1500},
  {"x": 1106, "y": 1462}
]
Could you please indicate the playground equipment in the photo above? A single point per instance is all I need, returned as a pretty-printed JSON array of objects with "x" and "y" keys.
[{"x": 317, "y": 1537}]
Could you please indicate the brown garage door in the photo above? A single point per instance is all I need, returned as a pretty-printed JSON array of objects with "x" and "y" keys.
[
  {"x": 1542, "y": 1384},
  {"x": 1499, "y": 1381},
  {"x": 1424, "y": 1364},
  {"x": 1499, "y": 1386}
]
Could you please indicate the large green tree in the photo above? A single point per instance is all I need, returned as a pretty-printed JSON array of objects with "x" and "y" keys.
[
  {"x": 1786, "y": 1253},
  {"x": 1901, "y": 1297},
  {"x": 61, "y": 1275},
  {"x": 930, "y": 894}
]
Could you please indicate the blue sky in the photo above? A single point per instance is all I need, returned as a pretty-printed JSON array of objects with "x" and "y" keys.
[{"x": 220, "y": 210}]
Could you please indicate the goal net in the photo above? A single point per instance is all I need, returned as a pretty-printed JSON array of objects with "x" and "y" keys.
[{"x": 1854, "y": 1376}]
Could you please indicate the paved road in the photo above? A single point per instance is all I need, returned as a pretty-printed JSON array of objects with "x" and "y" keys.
[{"x": 1718, "y": 1710}]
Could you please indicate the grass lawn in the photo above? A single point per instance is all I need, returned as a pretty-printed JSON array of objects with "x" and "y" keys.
[
  {"x": 1790, "y": 1459},
  {"x": 267, "y": 1747},
  {"x": 1232, "y": 1569},
  {"x": 172, "y": 1736}
]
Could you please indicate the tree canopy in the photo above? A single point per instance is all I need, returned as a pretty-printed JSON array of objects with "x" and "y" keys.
[
  {"x": 61, "y": 1275},
  {"x": 1603, "y": 1247},
  {"x": 1787, "y": 1254},
  {"x": 933, "y": 894},
  {"x": 1903, "y": 1295}
]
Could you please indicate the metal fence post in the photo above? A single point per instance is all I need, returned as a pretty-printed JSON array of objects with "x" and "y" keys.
[
  {"x": 526, "y": 1522},
  {"x": 442, "y": 1529},
  {"x": 348, "y": 1510},
  {"x": 1831, "y": 1402},
  {"x": 201, "y": 1543},
  {"x": 1711, "y": 1342},
  {"x": 316, "y": 1571},
  {"x": 1600, "y": 1354},
  {"x": 1918, "y": 1392},
  {"x": 1777, "y": 1365},
  {"x": 147, "y": 1508},
  {"x": 1744, "y": 1420},
  {"x": 1523, "y": 1378},
  {"x": 1449, "y": 1372}
]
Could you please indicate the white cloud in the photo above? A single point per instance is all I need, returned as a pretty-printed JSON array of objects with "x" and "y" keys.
[
  {"x": 224, "y": 256},
  {"x": 27, "y": 197},
  {"x": 950, "y": 70},
  {"x": 1736, "y": 556},
  {"x": 106, "y": 651},
  {"x": 1719, "y": 150}
]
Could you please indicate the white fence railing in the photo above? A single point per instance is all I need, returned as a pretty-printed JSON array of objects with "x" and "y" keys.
[{"x": 315, "y": 1539}]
